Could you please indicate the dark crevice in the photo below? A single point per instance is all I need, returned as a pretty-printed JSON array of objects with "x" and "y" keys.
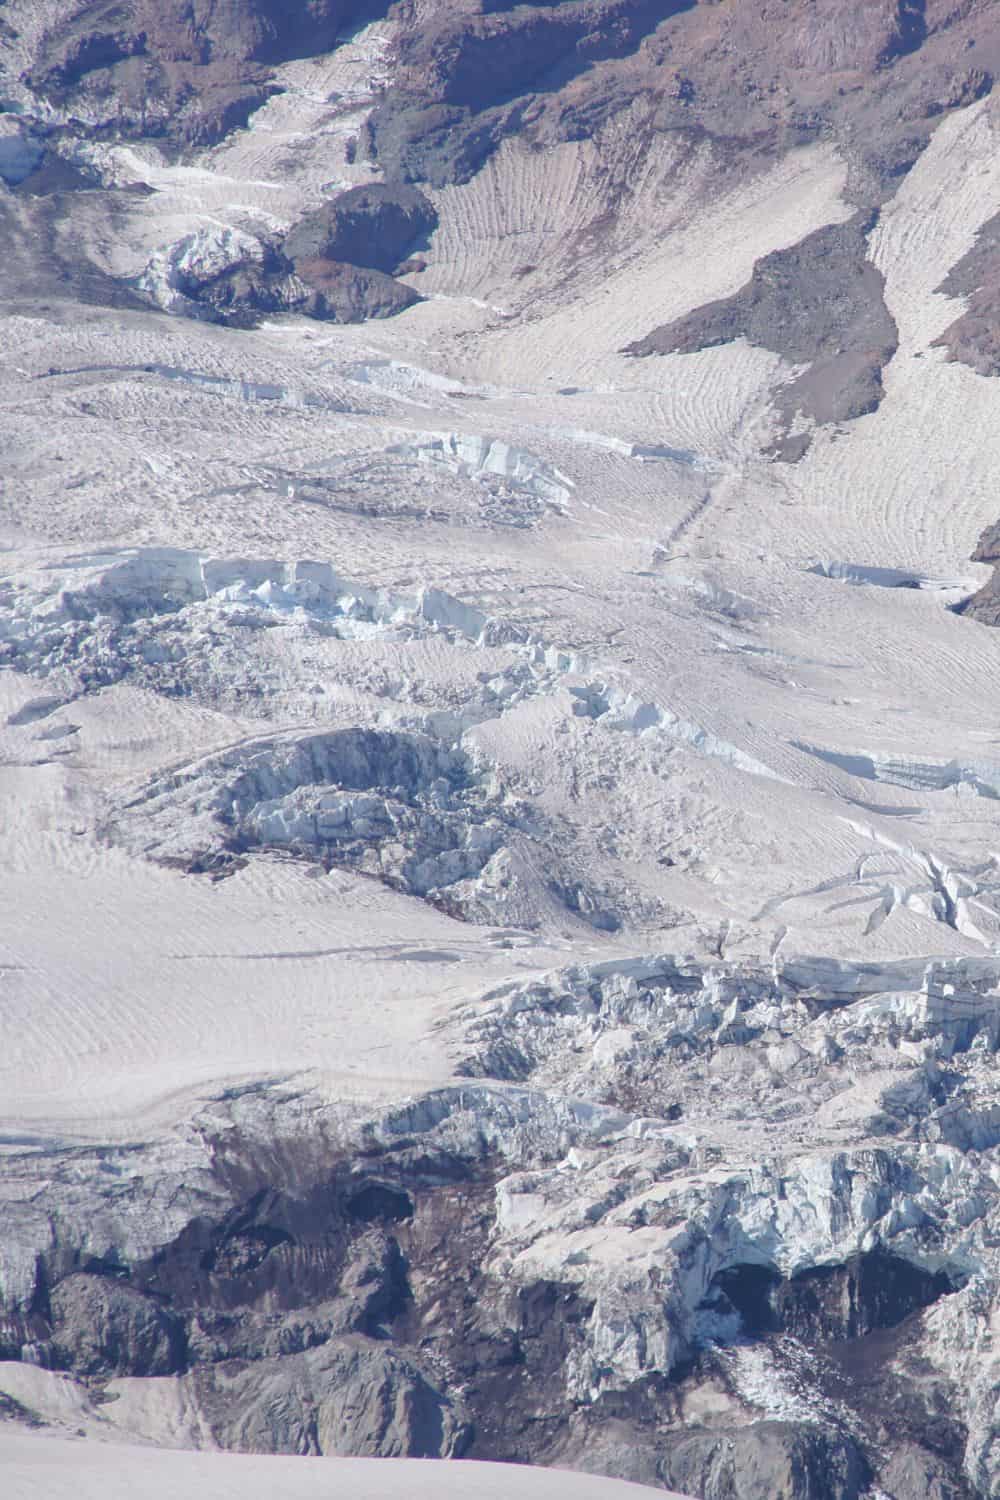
[
  {"x": 909, "y": 33},
  {"x": 376, "y": 1202},
  {"x": 823, "y": 1304}
]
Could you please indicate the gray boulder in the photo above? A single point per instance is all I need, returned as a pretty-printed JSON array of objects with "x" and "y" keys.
[
  {"x": 102, "y": 1327},
  {"x": 914, "y": 1474},
  {"x": 769, "y": 1461},
  {"x": 352, "y": 1398}
]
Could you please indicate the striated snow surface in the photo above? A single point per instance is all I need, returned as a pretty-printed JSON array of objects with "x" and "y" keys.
[
  {"x": 95, "y": 1472},
  {"x": 502, "y": 923}
]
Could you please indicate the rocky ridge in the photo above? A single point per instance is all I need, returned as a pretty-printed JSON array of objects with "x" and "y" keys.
[
  {"x": 571, "y": 1258},
  {"x": 461, "y": 80}
]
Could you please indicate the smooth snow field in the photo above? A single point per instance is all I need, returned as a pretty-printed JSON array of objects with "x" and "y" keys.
[
  {"x": 58, "y": 1468},
  {"x": 374, "y": 695}
]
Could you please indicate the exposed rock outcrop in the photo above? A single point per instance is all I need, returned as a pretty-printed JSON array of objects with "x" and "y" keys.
[
  {"x": 237, "y": 279},
  {"x": 757, "y": 79},
  {"x": 147, "y": 67},
  {"x": 461, "y": 79},
  {"x": 505, "y": 1274},
  {"x": 374, "y": 227},
  {"x": 343, "y": 293},
  {"x": 974, "y": 337},
  {"x": 335, "y": 263},
  {"x": 818, "y": 304},
  {"x": 914, "y": 1474},
  {"x": 361, "y": 1400},
  {"x": 470, "y": 76},
  {"x": 769, "y": 1461},
  {"x": 101, "y": 1326},
  {"x": 831, "y": 1303},
  {"x": 515, "y": 1272}
]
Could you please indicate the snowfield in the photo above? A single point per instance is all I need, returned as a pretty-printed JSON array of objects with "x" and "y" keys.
[
  {"x": 35, "y": 1465},
  {"x": 455, "y": 784}
]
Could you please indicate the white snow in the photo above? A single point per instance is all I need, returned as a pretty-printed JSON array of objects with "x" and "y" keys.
[
  {"x": 580, "y": 571},
  {"x": 67, "y": 1469}
]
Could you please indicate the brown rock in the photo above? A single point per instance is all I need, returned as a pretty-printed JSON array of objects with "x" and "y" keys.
[
  {"x": 167, "y": 67},
  {"x": 343, "y": 293},
  {"x": 914, "y": 1474},
  {"x": 974, "y": 338},
  {"x": 819, "y": 303},
  {"x": 373, "y": 226},
  {"x": 874, "y": 74}
]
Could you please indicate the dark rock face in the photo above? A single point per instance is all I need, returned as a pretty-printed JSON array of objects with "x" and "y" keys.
[
  {"x": 974, "y": 338},
  {"x": 246, "y": 292},
  {"x": 468, "y": 77},
  {"x": 163, "y": 67},
  {"x": 374, "y": 226},
  {"x": 353, "y": 1311},
  {"x": 351, "y": 1398},
  {"x": 335, "y": 264},
  {"x": 855, "y": 1330},
  {"x": 914, "y": 1474},
  {"x": 434, "y": 143},
  {"x": 752, "y": 80},
  {"x": 769, "y": 1461},
  {"x": 330, "y": 291},
  {"x": 846, "y": 1302},
  {"x": 342, "y": 256},
  {"x": 341, "y": 293},
  {"x": 467, "y": 74},
  {"x": 828, "y": 1303},
  {"x": 103, "y": 1327},
  {"x": 756, "y": 78},
  {"x": 819, "y": 303}
]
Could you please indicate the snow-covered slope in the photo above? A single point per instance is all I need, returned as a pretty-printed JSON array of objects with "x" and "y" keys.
[
  {"x": 35, "y": 1465},
  {"x": 501, "y": 883}
]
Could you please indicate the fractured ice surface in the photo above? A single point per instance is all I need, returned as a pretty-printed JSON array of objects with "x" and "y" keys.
[
  {"x": 918, "y": 774},
  {"x": 618, "y": 709},
  {"x": 401, "y": 806},
  {"x": 644, "y": 452},
  {"x": 147, "y": 614},
  {"x": 883, "y": 578},
  {"x": 409, "y": 382},
  {"x": 196, "y": 257},
  {"x": 491, "y": 460}
]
